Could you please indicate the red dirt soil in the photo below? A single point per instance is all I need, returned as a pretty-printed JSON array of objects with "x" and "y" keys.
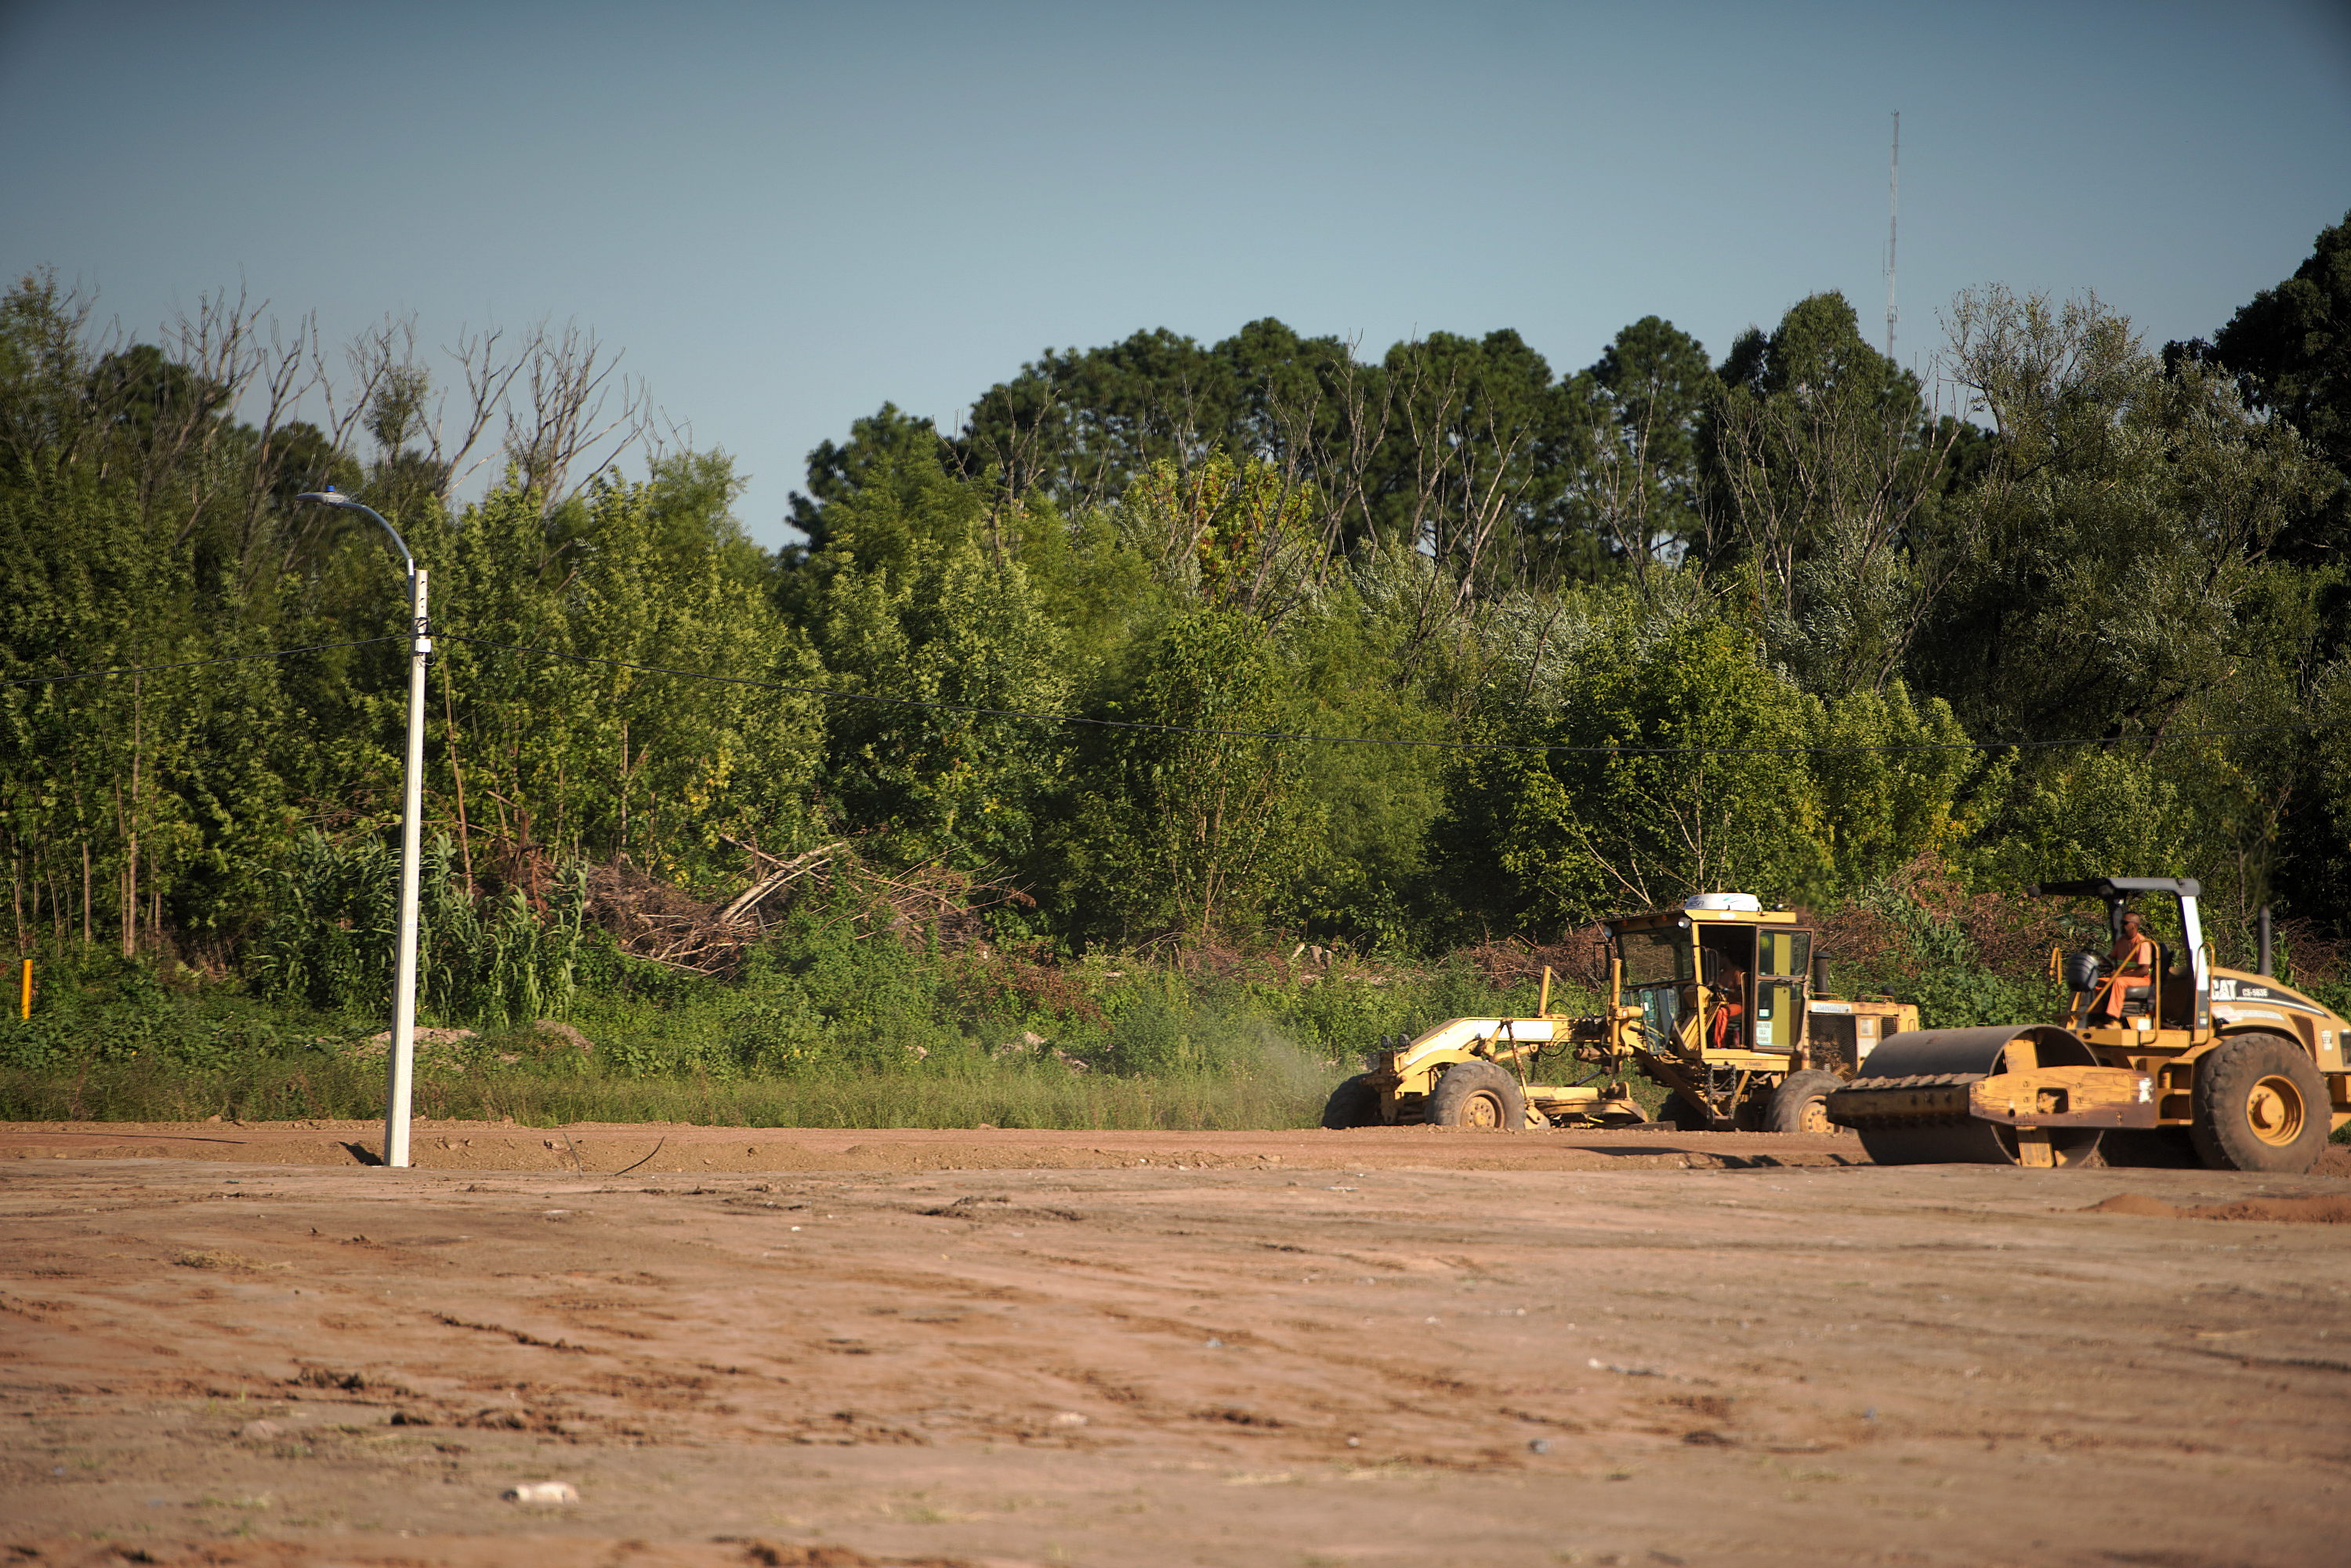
[
  {"x": 657, "y": 1148},
  {"x": 2329, "y": 1208},
  {"x": 1031, "y": 1348}
]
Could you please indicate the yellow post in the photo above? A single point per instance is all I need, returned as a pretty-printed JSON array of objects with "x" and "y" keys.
[
  {"x": 1542, "y": 1008},
  {"x": 26, "y": 1010}
]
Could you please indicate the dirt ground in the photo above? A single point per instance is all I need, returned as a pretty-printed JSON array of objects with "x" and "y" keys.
[{"x": 241, "y": 1345}]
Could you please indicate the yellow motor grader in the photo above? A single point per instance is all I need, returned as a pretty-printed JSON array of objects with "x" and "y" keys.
[
  {"x": 1718, "y": 1000},
  {"x": 2185, "y": 1062}
]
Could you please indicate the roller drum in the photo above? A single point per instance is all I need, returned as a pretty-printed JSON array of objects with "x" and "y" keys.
[
  {"x": 1954, "y": 1059},
  {"x": 1949, "y": 1053}
]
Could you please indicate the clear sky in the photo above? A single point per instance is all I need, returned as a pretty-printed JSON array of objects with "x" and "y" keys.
[{"x": 787, "y": 213}]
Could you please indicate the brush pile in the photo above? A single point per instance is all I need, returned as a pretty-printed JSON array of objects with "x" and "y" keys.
[
  {"x": 1579, "y": 958},
  {"x": 654, "y": 920}
]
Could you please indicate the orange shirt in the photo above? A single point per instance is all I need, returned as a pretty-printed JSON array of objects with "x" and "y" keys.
[{"x": 2133, "y": 955}]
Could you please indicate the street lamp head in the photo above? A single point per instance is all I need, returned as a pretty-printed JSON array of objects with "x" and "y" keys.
[{"x": 331, "y": 497}]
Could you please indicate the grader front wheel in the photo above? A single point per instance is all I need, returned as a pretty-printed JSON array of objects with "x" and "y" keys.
[
  {"x": 1353, "y": 1104},
  {"x": 1479, "y": 1094}
]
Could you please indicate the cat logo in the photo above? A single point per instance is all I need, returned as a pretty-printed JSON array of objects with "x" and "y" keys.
[{"x": 2224, "y": 990}]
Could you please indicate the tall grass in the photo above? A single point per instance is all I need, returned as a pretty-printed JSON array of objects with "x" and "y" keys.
[
  {"x": 867, "y": 1035},
  {"x": 335, "y": 1087}
]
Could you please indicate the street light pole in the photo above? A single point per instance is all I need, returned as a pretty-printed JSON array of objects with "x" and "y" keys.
[{"x": 399, "y": 1095}]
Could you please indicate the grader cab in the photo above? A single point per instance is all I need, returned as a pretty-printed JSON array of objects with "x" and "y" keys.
[
  {"x": 2175, "y": 1061},
  {"x": 1719, "y": 1000}
]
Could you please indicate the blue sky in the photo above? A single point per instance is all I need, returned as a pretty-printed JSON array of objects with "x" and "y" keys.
[{"x": 786, "y": 214}]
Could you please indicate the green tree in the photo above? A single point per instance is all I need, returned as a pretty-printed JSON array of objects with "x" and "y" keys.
[
  {"x": 1230, "y": 536},
  {"x": 1896, "y": 780},
  {"x": 578, "y": 757},
  {"x": 2123, "y": 527},
  {"x": 1826, "y": 473},
  {"x": 1641, "y": 777},
  {"x": 1640, "y": 499},
  {"x": 1365, "y": 810},
  {"x": 882, "y": 442},
  {"x": 917, "y": 599},
  {"x": 1195, "y": 829},
  {"x": 2125, "y": 587},
  {"x": 2290, "y": 349}
]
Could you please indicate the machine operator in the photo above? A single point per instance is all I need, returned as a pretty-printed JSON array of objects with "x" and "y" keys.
[
  {"x": 1729, "y": 1027},
  {"x": 2130, "y": 964}
]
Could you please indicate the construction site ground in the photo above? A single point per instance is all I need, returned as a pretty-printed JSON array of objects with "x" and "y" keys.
[{"x": 228, "y": 1344}]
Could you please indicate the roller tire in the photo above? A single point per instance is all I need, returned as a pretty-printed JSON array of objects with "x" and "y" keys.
[
  {"x": 2260, "y": 1105},
  {"x": 1353, "y": 1104},
  {"x": 1799, "y": 1104},
  {"x": 1478, "y": 1093}
]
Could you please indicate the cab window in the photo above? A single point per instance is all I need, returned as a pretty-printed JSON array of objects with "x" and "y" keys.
[
  {"x": 1656, "y": 957},
  {"x": 1784, "y": 953}
]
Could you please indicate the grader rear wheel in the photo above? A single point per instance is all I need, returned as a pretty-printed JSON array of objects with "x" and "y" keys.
[
  {"x": 1800, "y": 1104},
  {"x": 1476, "y": 1093},
  {"x": 1684, "y": 1114}
]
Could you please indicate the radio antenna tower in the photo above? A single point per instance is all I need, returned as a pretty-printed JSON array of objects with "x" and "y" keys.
[{"x": 1893, "y": 218}]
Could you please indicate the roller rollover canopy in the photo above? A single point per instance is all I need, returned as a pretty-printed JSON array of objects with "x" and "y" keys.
[{"x": 2111, "y": 888}]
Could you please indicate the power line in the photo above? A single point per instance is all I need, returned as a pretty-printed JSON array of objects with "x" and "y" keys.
[
  {"x": 1374, "y": 740},
  {"x": 193, "y": 664}
]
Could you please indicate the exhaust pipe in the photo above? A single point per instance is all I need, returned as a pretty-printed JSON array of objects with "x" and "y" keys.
[{"x": 2263, "y": 925}]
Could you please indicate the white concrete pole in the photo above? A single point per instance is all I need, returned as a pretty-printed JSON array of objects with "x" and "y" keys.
[{"x": 404, "y": 1026}]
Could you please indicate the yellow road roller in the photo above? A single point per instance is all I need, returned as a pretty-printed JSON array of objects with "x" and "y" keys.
[{"x": 2162, "y": 1058}]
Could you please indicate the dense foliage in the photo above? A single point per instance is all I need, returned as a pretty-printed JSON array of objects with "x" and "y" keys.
[{"x": 1796, "y": 623}]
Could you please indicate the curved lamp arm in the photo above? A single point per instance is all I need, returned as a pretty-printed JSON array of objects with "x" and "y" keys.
[
  {"x": 399, "y": 1098},
  {"x": 331, "y": 497}
]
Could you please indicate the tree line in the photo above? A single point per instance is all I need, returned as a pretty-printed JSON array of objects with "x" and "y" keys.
[{"x": 1401, "y": 651}]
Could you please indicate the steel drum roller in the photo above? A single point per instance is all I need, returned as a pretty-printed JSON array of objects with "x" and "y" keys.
[{"x": 1934, "y": 1061}]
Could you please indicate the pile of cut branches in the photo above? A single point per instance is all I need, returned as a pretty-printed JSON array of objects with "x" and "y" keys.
[
  {"x": 654, "y": 920},
  {"x": 650, "y": 919},
  {"x": 1579, "y": 958}
]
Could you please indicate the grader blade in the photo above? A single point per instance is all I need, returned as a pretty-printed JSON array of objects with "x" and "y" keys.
[{"x": 2028, "y": 1094}]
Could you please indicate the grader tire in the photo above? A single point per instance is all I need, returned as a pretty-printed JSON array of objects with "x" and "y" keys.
[
  {"x": 1800, "y": 1104},
  {"x": 2260, "y": 1105},
  {"x": 1353, "y": 1104},
  {"x": 1682, "y": 1115},
  {"x": 1476, "y": 1093}
]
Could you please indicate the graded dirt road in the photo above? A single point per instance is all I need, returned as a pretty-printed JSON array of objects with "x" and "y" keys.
[{"x": 1289, "y": 1349}]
